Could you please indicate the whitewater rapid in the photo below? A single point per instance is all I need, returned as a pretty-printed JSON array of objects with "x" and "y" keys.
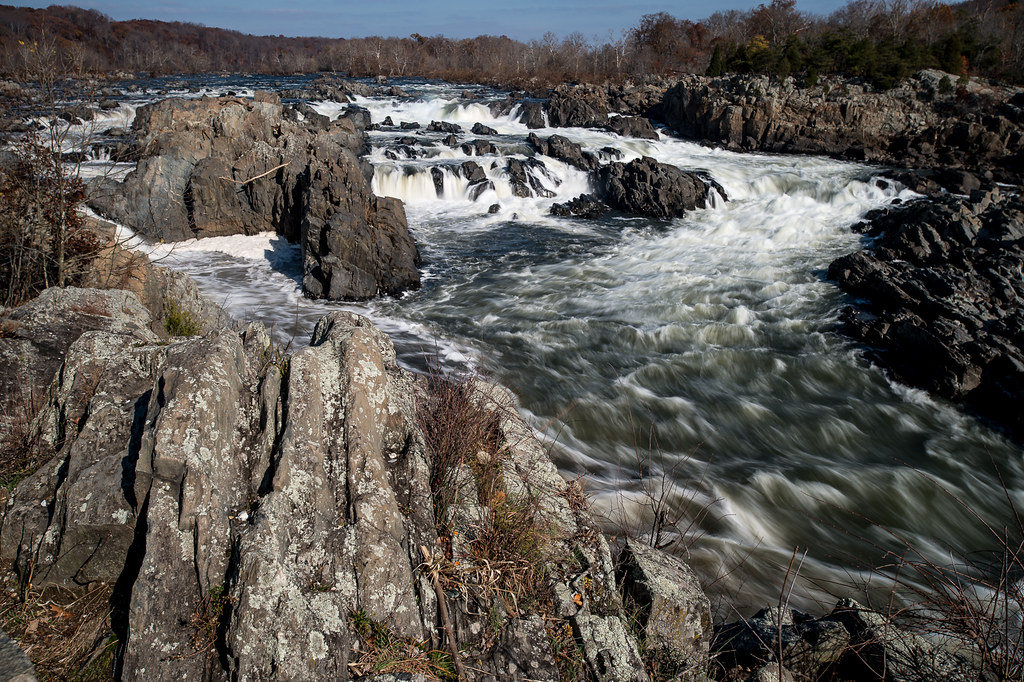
[{"x": 697, "y": 359}]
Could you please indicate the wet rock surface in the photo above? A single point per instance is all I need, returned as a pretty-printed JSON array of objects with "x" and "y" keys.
[
  {"x": 649, "y": 188},
  {"x": 213, "y": 167},
  {"x": 584, "y": 206},
  {"x": 850, "y": 643},
  {"x": 939, "y": 292}
]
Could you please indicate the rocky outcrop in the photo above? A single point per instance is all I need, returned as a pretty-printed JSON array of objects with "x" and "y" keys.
[
  {"x": 15, "y": 665},
  {"x": 564, "y": 149},
  {"x": 656, "y": 190},
  {"x": 673, "y": 611},
  {"x": 212, "y": 167},
  {"x": 584, "y": 206},
  {"x": 581, "y": 106},
  {"x": 270, "y": 517},
  {"x": 850, "y": 643},
  {"x": 632, "y": 126},
  {"x": 913, "y": 124},
  {"x": 940, "y": 292}
]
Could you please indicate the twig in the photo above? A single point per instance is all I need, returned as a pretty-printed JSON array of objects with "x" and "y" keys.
[
  {"x": 452, "y": 646},
  {"x": 256, "y": 177}
]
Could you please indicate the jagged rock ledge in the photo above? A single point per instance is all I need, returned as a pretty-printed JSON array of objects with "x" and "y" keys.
[
  {"x": 919, "y": 123},
  {"x": 225, "y": 166},
  {"x": 261, "y": 516},
  {"x": 939, "y": 291}
]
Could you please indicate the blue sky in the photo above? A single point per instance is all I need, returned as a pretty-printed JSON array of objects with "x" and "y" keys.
[{"x": 519, "y": 19}]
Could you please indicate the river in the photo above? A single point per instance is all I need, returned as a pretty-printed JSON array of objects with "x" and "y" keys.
[{"x": 696, "y": 363}]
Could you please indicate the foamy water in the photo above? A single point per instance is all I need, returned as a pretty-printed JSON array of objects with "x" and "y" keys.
[{"x": 699, "y": 356}]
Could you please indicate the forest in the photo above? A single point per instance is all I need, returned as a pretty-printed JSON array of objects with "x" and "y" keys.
[{"x": 878, "y": 40}]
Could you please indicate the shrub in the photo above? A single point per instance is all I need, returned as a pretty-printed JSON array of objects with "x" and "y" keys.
[
  {"x": 179, "y": 321},
  {"x": 43, "y": 238},
  {"x": 496, "y": 540}
]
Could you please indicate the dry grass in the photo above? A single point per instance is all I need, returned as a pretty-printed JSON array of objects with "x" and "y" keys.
[
  {"x": 379, "y": 652},
  {"x": 496, "y": 542},
  {"x": 17, "y": 458},
  {"x": 67, "y": 635}
]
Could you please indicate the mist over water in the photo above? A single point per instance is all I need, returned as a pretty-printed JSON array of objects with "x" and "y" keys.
[{"x": 698, "y": 357}]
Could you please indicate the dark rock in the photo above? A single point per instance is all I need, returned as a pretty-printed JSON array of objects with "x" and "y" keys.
[
  {"x": 479, "y": 148},
  {"x": 444, "y": 127},
  {"x": 493, "y": 208},
  {"x": 845, "y": 118},
  {"x": 450, "y": 141},
  {"x": 77, "y": 114},
  {"x": 582, "y": 106},
  {"x": 648, "y": 188},
  {"x": 475, "y": 189},
  {"x": 881, "y": 650},
  {"x": 409, "y": 125},
  {"x": 387, "y": 122},
  {"x": 558, "y": 147},
  {"x": 532, "y": 114},
  {"x": 481, "y": 129},
  {"x": 437, "y": 175},
  {"x": 611, "y": 154},
  {"x": 632, "y": 126},
  {"x": 940, "y": 290},
  {"x": 472, "y": 171},
  {"x": 523, "y": 178},
  {"x": 584, "y": 206},
  {"x": 360, "y": 117}
]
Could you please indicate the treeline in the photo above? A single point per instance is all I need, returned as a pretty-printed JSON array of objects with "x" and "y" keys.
[{"x": 880, "y": 40}]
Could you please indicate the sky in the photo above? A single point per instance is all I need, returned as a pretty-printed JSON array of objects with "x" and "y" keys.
[{"x": 519, "y": 19}]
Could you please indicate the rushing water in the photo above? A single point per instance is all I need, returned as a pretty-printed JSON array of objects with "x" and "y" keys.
[{"x": 697, "y": 359}]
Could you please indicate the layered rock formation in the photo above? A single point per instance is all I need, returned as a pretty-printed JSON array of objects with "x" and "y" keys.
[
  {"x": 911, "y": 125},
  {"x": 214, "y": 167},
  {"x": 940, "y": 292},
  {"x": 267, "y": 517}
]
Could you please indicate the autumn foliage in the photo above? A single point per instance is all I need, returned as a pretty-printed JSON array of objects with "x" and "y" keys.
[{"x": 880, "y": 40}]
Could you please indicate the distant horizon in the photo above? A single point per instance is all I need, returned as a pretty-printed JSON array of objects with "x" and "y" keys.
[{"x": 456, "y": 19}]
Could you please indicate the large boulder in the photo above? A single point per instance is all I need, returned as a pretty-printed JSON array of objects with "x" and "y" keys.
[
  {"x": 632, "y": 126},
  {"x": 582, "y": 106},
  {"x": 213, "y": 167},
  {"x": 649, "y": 188},
  {"x": 564, "y": 149},
  {"x": 673, "y": 611}
]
